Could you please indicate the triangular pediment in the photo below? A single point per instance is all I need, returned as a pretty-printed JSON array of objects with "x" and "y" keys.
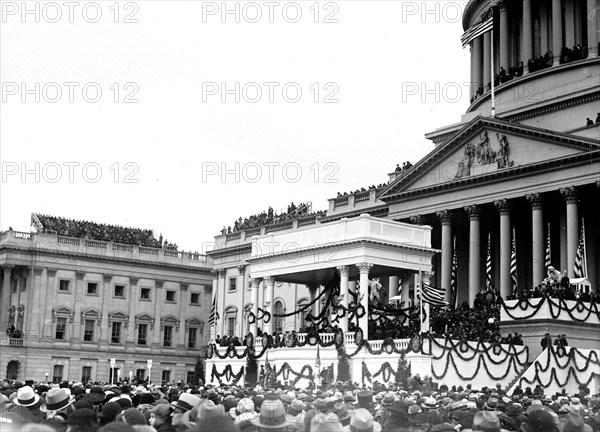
[
  {"x": 194, "y": 321},
  {"x": 486, "y": 148},
  {"x": 90, "y": 313},
  {"x": 170, "y": 319},
  {"x": 63, "y": 310},
  {"x": 144, "y": 317},
  {"x": 118, "y": 316}
]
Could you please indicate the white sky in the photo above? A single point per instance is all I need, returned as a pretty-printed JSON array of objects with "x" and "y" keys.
[{"x": 171, "y": 138}]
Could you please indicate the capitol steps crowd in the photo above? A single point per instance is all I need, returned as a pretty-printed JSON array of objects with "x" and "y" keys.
[{"x": 345, "y": 407}]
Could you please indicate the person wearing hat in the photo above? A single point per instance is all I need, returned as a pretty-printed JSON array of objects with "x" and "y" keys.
[
  {"x": 29, "y": 403},
  {"x": 363, "y": 421},
  {"x": 272, "y": 416},
  {"x": 397, "y": 421},
  {"x": 539, "y": 421},
  {"x": 365, "y": 400},
  {"x": 82, "y": 420},
  {"x": 160, "y": 418},
  {"x": 109, "y": 413}
]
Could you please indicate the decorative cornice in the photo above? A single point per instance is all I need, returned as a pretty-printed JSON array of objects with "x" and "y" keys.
[
  {"x": 417, "y": 220},
  {"x": 503, "y": 206},
  {"x": 364, "y": 267},
  {"x": 445, "y": 217},
  {"x": 344, "y": 270},
  {"x": 473, "y": 212},
  {"x": 554, "y": 107},
  {"x": 570, "y": 195},
  {"x": 536, "y": 201}
]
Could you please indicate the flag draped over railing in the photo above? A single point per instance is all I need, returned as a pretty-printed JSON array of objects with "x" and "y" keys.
[
  {"x": 453, "y": 275},
  {"x": 580, "y": 269},
  {"x": 513, "y": 265},
  {"x": 214, "y": 314},
  {"x": 488, "y": 265}
]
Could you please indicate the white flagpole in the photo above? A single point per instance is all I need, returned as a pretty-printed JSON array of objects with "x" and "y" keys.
[
  {"x": 420, "y": 296},
  {"x": 493, "y": 100},
  {"x": 584, "y": 257}
]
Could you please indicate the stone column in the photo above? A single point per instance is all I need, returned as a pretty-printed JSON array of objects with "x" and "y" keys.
[
  {"x": 184, "y": 304},
  {"x": 106, "y": 296},
  {"x": 503, "y": 207},
  {"x": 270, "y": 283},
  {"x": 538, "y": 243},
  {"x": 504, "y": 38},
  {"x": 36, "y": 315},
  {"x": 544, "y": 27},
  {"x": 474, "y": 214},
  {"x": 405, "y": 289},
  {"x": 344, "y": 274},
  {"x": 222, "y": 291},
  {"x": 570, "y": 196},
  {"x": 527, "y": 40},
  {"x": 79, "y": 291},
  {"x": 446, "y": 275},
  {"x": 156, "y": 326},
  {"x": 394, "y": 284},
  {"x": 569, "y": 24},
  {"x": 477, "y": 63},
  {"x": 363, "y": 323},
  {"x": 557, "y": 32},
  {"x": 592, "y": 28},
  {"x": 562, "y": 239},
  {"x": 487, "y": 52},
  {"x": 241, "y": 284},
  {"x": 214, "y": 299},
  {"x": 5, "y": 305},
  {"x": 255, "y": 285}
]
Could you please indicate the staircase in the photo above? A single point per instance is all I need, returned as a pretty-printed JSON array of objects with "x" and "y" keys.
[{"x": 518, "y": 376}]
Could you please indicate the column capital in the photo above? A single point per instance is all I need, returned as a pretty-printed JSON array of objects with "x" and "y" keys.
[
  {"x": 503, "y": 206},
  {"x": 445, "y": 217},
  {"x": 134, "y": 280},
  {"x": 364, "y": 267},
  {"x": 214, "y": 273},
  {"x": 38, "y": 271},
  {"x": 269, "y": 280},
  {"x": 570, "y": 195},
  {"x": 183, "y": 286},
  {"x": 159, "y": 283},
  {"x": 255, "y": 282},
  {"x": 344, "y": 270},
  {"x": 536, "y": 201},
  {"x": 79, "y": 275},
  {"x": 8, "y": 267},
  {"x": 503, "y": 5},
  {"x": 106, "y": 277},
  {"x": 426, "y": 276},
  {"x": 473, "y": 211},
  {"x": 417, "y": 220},
  {"x": 241, "y": 269}
]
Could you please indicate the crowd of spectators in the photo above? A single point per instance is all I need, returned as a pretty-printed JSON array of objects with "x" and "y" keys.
[
  {"x": 270, "y": 217},
  {"x": 102, "y": 232},
  {"x": 418, "y": 405}
]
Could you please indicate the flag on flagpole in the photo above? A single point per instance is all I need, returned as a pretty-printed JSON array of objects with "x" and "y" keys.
[
  {"x": 453, "y": 276},
  {"x": 475, "y": 31},
  {"x": 488, "y": 265},
  {"x": 548, "y": 260},
  {"x": 434, "y": 296},
  {"x": 580, "y": 259},
  {"x": 513, "y": 265},
  {"x": 214, "y": 314}
]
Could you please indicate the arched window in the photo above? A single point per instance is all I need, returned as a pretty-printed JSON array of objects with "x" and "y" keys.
[
  {"x": 302, "y": 315},
  {"x": 277, "y": 321},
  {"x": 230, "y": 321}
]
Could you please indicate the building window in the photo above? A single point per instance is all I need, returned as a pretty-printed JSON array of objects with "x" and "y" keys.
[
  {"x": 61, "y": 328},
  {"x": 24, "y": 284},
  {"x": 232, "y": 284},
  {"x": 64, "y": 285},
  {"x": 119, "y": 290},
  {"x": 302, "y": 315},
  {"x": 13, "y": 286},
  {"x": 92, "y": 288},
  {"x": 145, "y": 294},
  {"x": 195, "y": 298},
  {"x": 170, "y": 296},
  {"x": 86, "y": 374},
  {"x": 168, "y": 336},
  {"x": 192, "y": 336},
  {"x": 166, "y": 376},
  {"x": 57, "y": 373},
  {"x": 278, "y": 321},
  {"x": 231, "y": 326},
  {"x": 142, "y": 334},
  {"x": 88, "y": 330},
  {"x": 140, "y": 374},
  {"x": 115, "y": 334},
  {"x": 189, "y": 377}
]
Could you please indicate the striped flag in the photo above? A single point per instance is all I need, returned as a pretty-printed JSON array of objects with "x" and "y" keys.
[
  {"x": 434, "y": 296},
  {"x": 548, "y": 260},
  {"x": 580, "y": 259},
  {"x": 513, "y": 265},
  {"x": 488, "y": 265},
  {"x": 453, "y": 276},
  {"x": 318, "y": 359},
  {"x": 475, "y": 31},
  {"x": 214, "y": 313}
]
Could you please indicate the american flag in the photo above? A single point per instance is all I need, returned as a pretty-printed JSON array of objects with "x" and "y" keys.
[
  {"x": 580, "y": 261},
  {"x": 513, "y": 265},
  {"x": 434, "y": 296},
  {"x": 488, "y": 265},
  {"x": 214, "y": 313},
  {"x": 453, "y": 275}
]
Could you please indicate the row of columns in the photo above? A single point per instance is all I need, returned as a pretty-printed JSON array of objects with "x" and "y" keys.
[
  {"x": 538, "y": 250},
  {"x": 481, "y": 47}
]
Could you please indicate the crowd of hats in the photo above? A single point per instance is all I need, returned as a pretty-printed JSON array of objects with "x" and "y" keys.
[{"x": 343, "y": 407}]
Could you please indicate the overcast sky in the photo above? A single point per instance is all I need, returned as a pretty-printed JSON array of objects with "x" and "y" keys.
[{"x": 321, "y": 106}]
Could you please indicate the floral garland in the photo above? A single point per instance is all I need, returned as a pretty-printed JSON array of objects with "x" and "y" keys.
[
  {"x": 462, "y": 347},
  {"x": 230, "y": 352},
  {"x": 555, "y": 308},
  {"x": 227, "y": 373},
  {"x": 286, "y": 369},
  {"x": 386, "y": 370},
  {"x": 480, "y": 361},
  {"x": 365, "y": 373}
]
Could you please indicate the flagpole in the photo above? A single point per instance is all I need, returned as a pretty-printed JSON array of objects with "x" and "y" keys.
[
  {"x": 420, "y": 295},
  {"x": 584, "y": 254},
  {"x": 493, "y": 100}
]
